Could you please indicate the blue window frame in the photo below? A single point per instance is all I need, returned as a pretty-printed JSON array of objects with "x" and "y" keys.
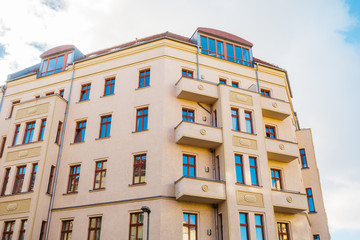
[
  {"x": 105, "y": 126},
  {"x": 310, "y": 200},
  {"x": 42, "y": 129},
  {"x": 222, "y": 81},
  {"x": 109, "y": 86},
  {"x": 80, "y": 131},
  {"x": 85, "y": 92},
  {"x": 244, "y": 227},
  {"x": 253, "y": 171},
  {"x": 259, "y": 227},
  {"x": 29, "y": 132},
  {"x": 316, "y": 237},
  {"x": 142, "y": 119},
  {"x": 239, "y": 166},
  {"x": 144, "y": 78},
  {"x": 56, "y": 64},
  {"x": 188, "y": 115},
  {"x": 304, "y": 163},
  {"x": 16, "y": 134},
  {"x": 189, "y": 165},
  {"x": 235, "y": 119},
  {"x": 248, "y": 122}
]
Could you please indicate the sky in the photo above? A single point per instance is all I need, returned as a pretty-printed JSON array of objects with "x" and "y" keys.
[{"x": 317, "y": 42}]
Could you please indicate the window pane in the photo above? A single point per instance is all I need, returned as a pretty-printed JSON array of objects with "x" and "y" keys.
[
  {"x": 211, "y": 47},
  {"x": 51, "y": 64},
  {"x": 230, "y": 52},
  {"x": 259, "y": 234},
  {"x": 60, "y": 62},
  {"x": 220, "y": 49}
]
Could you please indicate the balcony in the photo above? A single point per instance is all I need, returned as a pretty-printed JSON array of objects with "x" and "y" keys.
[
  {"x": 288, "y": 202},
  {"x": 274, "y": 108},
  {"x": 196, "y": 90},
  {"x": 200, "y": 190},
  {"x": 198, "y": 135},
  {"x": 281, "y": 150}
]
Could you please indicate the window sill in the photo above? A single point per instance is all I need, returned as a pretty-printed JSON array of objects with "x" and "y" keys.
[
  {"x": 97, "y": 190},
  {"x": 142, "y": 87},
  {"x": 137, "y": 184},
  {"x": 24, "y": 144},
  {"x": 75, "y": 143},
  {"x": 16, "y": 194},
  {"x": 87, "y": 100},
  {"x": 140, "y": 131},
  {"x": 246, "y": 185},
  {"x": 109, "y": 95},
  {"x": 71, "y": 193},
  {"x": 237, "y": 131},
  {"x": 103, "y": 138},
  {"x": 305, "y": 168},
  {"x": 312, "y": 212}
]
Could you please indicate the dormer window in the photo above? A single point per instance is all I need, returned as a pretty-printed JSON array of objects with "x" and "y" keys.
[{"x": 55, "y": 64}]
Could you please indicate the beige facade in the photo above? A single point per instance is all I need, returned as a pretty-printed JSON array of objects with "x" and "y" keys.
[{"x": 178, "y": 141}]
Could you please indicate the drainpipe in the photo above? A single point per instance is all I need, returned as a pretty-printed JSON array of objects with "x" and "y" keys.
[
  {"x": 59, "y": 156},
  {"x": 197, "y": 59},
  {"x": 257, "y": 77},
  {"x": 216, "y": 222},
  {"x": 3, "y": 89}
]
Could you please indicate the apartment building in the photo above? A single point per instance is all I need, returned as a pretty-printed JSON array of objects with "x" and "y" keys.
[{"x": 166, "y": 137}]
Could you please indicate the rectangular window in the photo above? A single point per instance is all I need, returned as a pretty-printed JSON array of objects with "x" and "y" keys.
[
  {"x": 12, "y": 107},
  {"x": 215, "y": 118},
  {"x": 139, "y": 169},
  {"x": 8, "y": 230},
  {"x": 189, "y": 165},
  {"x": 239, "y": 168},
  {"x": 2, "y": 146},
  {"x": 16, "y": 134},
  {"x": 5, "y": 182},
  {"x": 61, "y": 93},
  {"x": 58, "y": 133},
  {"x": 19, "y": 179},
  {"x": 222, "y": 81},
  {"x": 29, "y": 132},
  {"x": 74, "y": 177},
  {"x": 235, "y": 84},
  {"x": 259, "y": 227},
  {"x": 283, "y": 231},
  {"x": 109, "y": 86},
  {"x": 244, "y": 227},
  {"x": 144, "y": 78},
  {"x": 33, "y": 177},
  {"x": 235, "y": 119},
  {"x": 249, "y": 122},
  {"x": 188, "y": 115},
  {"x": 253, "y": 171},
  {"x": 100, "y": 174},
  {"x": 51, "y": 178},
  {"x": 265, "y": 93},
  {"x": 42, "y": 130},
  {"x": 189, "y": 226},
  {"x": 270, "y": 131},
  {"x": 105, "y": 126},
  {"x": 310, "y": 199},
  {"x": 49, "y": 93},
  {"x": 66, "y": 229},
  {"x": 316, "y": 237},
  {"x": 56, "y": 64},
  {"x": 37, "y": 96},
  {"x": 276, "y": 179},
  {"x": 22, "y": 229},
  {"x": 85, "y": 92},
  {"x": 304, "y": 163},
  {"x": 136, "y": 226},
  {"x": 187, "y": 73},
  {"x": 80, "y": 131},
  {"x": 142, "y": 119},
  {"x": 42, "y": 230}
]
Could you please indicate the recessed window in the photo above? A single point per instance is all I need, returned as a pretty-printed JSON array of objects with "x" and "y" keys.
[
  {"x": 100, "y": 175},
  {"x": 29, "y": 132},
  {"x": 16, "y": 134},
  {"x": 190, "y": 226},
  {"x": 105, "y": 126},
  {"x": 94, "y": 228},
  {"x": 310, "y": 199},
  {"x": 144, "y": 78},
  {"x": 136, "y": 226},
  {"x": 283, "y": 231},
  {"x": 265, "y": 92},
  {"x": 270, "y": 131},
  {"x": 109, "y": 86},
  {"x": 142, "y": 119},
  {"x": 259, "y": 227},
  {"x": 49, "y": 93},
  {"x": 42, "y": 230},
  {"x": 19, "y": 179},
  {"x": 235, "y": 84},
  {"x": 276, "y": 179},
  {"x": 74, "y": 177},
  {"x": 80, "y": 132},
  {"x": 8, "y": 229},
  {"x": 187, "y": 73},
  {"x": 5, "y": 182},
  {"x": 33, "y": 177},
  {"x": 58, "y": 133},
  {"x": 244, "y": 226},
  {"x": 253, "y": 171},
  {"x": 222, "y": 81},
  {"x": 42, "y": 130},
  {"x": 188, "y": 115},
  {"x": 2, "y": 146},
  {"x": 12, "y": 107},
  {"x": 189, "y": 165},
  {"x": 51, "y": 178},
  {"x": 55, "y": 64},
  {"x": 139, "y": 169},
  {"x": 239, "y": 168},
  {"x": 61, "y": 93},
  {"x": 304, "y": 163},
  {"x": 249, "y": 122},
  {"x": 235, "y": 119},
  {"x": 66, "y": 229},
  {"x": 316, "y": 237},
  {"x": 22, "y": 229},
  {"x": 85, "y": 92}
]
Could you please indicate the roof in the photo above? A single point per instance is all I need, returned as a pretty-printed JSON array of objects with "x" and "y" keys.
[
  {"x": 225, "y": 35},
  {"x": 266, "y": 63},
  {"x": 57, "y": 50}
]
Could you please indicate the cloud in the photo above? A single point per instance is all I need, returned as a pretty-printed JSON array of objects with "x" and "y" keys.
[
  {"x": 55, "y": 5},
  {"x": 2, "y": 50},
  {"x": 39, "y": 46}
]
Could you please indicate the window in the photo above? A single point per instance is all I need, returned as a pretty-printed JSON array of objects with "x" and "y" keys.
[
  {"x": 139, "y": 169},
  {"x": 276, "y": 179},
  {"x": 100, "y": 175},
  {"x": 316, "y": 237},
  {"x": 253, "y": 171},
  {"x": 16, "y": 134},
  {"x": 55, "y": 64},
  {"x": 136, "y": 226},
  {"x": 259, "y": 227},
  {"x": 58, "y": 133},
  {"x": 66, "y": 230},
  {"x": 61, "y": 93},
  {"x": 235, "y": 119},
  {"x": 215, "y": 118},
  {"x": 19, "y": 179},
  {"x": 142, "y": 119},
  {"x": 37, "y": 96},
  {"x": 42, "y": 230},
  {"x": 105, "y": 126},
  {"x": 49, "y": 93},
  {"x": 5, "y": 182},
  {"x": 239, "y": 166},
  {"x": 51, "y": 178},
  {"x": 74, "y": 177},
  {"x": 265, "y": 93},
  {"x": 244, "y": 227},
  {"x": 109, "y": 86},
  {"x": 2, "y": 147},
  {"x": 22, "y": 229},
  {"x": 310, "y": 199},
  {"x": 12, "y": 107},
  {"x": 33, "y": 177},
  {"x": 85, "y": 92},
  {"x": 249, "y": 122},
  {"x": 188, "y": 115},
  {"x": 8, "y": 230},
  {"x": 29, "y": 132},
  {"x": 42, "y": 130},
  {"x": 187, "y": 73},
  {"x": 270, "y": 131},
  {"x": 304, "y": 163},
  {"x": 222, "y": 81},
  {"x": 144, "y": 78},
  {"x": 80, "y": 131},
  {"x": 283, "y": 231},
  {"x": 189, "y": 165},
  {"x": 235, "y": 84},
  {"x": 189, "y": 226}
]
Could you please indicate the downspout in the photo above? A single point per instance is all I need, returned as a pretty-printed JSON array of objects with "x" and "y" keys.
[
  {"x": 197, "y": 61},
  {"x": 59, "y": 156},
  {"x": 3, "y": 89},
  {"x": 257, "y": 77},
  {"x": 216, "y": 222}
]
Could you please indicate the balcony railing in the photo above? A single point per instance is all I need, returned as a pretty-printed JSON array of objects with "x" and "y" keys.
[
  {"x": 289, "y": 202},
  {"x": 196, "y": 90},
  {"x": 274, "y": 108},
  {"x": 281, "y": 150}
]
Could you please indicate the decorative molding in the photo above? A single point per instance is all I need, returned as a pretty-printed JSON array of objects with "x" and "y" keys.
[
  {"x": 241, "y": 98},
  {"x": 244, "y": 142},
  {"x": 32, "y": 111},
  {"x": 14, "y": 207},
  {"x": 21, "y": 154},
  {"x": 250, "y": 199}
]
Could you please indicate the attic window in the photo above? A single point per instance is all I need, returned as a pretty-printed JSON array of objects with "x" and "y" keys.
[{"x": 55, "y": 64}]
